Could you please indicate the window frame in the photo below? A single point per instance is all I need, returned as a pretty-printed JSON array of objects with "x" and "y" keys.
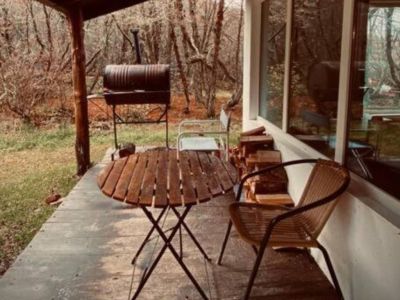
[{"x": 377, "y": 199}]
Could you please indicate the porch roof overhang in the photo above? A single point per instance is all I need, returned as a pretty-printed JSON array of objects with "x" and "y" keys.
[
  {"x": 91, "y": 8},
  {"x": 78, "y": 11}
]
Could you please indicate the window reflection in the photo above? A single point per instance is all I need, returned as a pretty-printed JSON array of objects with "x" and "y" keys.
[
  {"x": 314, "y": 74},
  {"x": 374, "y": 112},
  {"x": 272, "y": 60}
]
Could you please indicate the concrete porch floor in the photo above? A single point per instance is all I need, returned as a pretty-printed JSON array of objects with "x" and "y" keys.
[{"x": 84, "y": 252}]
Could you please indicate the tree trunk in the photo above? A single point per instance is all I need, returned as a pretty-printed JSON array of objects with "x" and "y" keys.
[
  {"x": 180, "y": 67},
  {"x": 389, "y": 47},
  {"x": 217, "y": 44},
  {"x": 235, "y": 98},
  {"x": 237, "y": 95}
]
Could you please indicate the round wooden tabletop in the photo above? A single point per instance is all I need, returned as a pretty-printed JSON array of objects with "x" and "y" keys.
[{"x": 160, "y": 178}]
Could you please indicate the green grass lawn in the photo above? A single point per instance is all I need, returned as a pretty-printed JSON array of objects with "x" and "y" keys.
[{"x": 35, "y": 162}]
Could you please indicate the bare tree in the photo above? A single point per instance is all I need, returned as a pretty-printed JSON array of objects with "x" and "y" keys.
[
  {"x": 217, "y": 45},
  {"x": 393, "y": 67},
  {"x": 237, "y": 95}
]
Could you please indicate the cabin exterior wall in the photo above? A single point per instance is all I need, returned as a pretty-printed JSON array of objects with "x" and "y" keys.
[{"x": 363, "y": 242}]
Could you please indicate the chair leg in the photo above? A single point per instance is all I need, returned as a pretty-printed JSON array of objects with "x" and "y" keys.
[
  {"x": 253, "y": 275},
  {"x": 228, "y": 231},
  {"x": 331, "y": 270}
]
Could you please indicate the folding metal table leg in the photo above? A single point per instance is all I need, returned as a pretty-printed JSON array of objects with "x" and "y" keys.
[
  {"x": 166, "y": 127},
  {"x": 167, "y": 244},
  {"x": 148, "y": 237},
  {"x": 228, "y": 232},
  {"x": 180, "y": 243},
  {"x": 191, "y": 235}
]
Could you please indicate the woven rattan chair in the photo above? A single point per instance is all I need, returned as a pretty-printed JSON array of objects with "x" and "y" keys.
[{"x": 277, "y": 226}]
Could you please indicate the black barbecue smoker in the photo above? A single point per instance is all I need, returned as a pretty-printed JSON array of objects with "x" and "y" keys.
[{"x": 135, "y": 85}]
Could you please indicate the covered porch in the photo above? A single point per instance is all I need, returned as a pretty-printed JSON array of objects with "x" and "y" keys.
[{"x": 84, "y": 251}]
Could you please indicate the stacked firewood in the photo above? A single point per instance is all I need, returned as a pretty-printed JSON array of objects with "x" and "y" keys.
[{"x": 255, "y": 152}]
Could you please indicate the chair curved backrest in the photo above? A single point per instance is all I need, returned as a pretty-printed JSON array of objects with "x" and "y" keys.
[{"x": 327, "y": 181}]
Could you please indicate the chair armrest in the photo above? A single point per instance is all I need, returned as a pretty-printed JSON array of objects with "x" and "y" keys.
[
  {"x": 201, "y": 133},
  {"x": 94, "y": 96},
  {"x": 184, "y": 122},
  {"x": 190, "y": 133},
  {"x": 264, "y": 170},
  {"x": 196, "y": 122}
]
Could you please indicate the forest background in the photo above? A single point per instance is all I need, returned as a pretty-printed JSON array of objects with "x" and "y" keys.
[{"x": 200, "y": 39}]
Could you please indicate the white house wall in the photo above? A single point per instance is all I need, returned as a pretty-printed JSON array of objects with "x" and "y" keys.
[{"x": 364, "y": 246}]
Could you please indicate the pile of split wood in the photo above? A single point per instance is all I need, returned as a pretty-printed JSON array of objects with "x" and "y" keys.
[{"x": 255, "y": 152}]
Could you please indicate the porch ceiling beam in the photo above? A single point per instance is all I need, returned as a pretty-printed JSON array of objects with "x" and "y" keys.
[
  {"x": 90, "y": 8},
  {"x": 96, "y": 8},
  {"x": 62, "y": 7}
]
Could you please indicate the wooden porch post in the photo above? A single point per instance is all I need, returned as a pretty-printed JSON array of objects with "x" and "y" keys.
[{"x": 82, "y": 147}]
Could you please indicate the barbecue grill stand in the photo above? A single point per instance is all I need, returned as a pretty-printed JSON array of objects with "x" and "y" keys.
[{"x": 118, "y": 120}]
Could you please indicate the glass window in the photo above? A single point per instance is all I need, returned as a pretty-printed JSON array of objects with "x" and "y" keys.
[
  {"x": 272, "y": 60},
  {"x": 373, "y": 149},
  {"x": 314, "y": 72}
]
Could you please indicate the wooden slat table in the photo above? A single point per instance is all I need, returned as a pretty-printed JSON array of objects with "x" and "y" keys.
[
  {"x": 158, "y": 178},
  {"x": 163, "y": 179}
]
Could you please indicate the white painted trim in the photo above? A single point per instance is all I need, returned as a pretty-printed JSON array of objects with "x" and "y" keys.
[
  {"x": 288, "y": 53},
  {"x": 251, "y": 59},
  {"x": 344, "y": 81}
]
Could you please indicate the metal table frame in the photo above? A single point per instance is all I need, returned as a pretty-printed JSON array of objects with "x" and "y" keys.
[
  {"x": 165, "y": 179},
  {"x": 167, "y": 244}
]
